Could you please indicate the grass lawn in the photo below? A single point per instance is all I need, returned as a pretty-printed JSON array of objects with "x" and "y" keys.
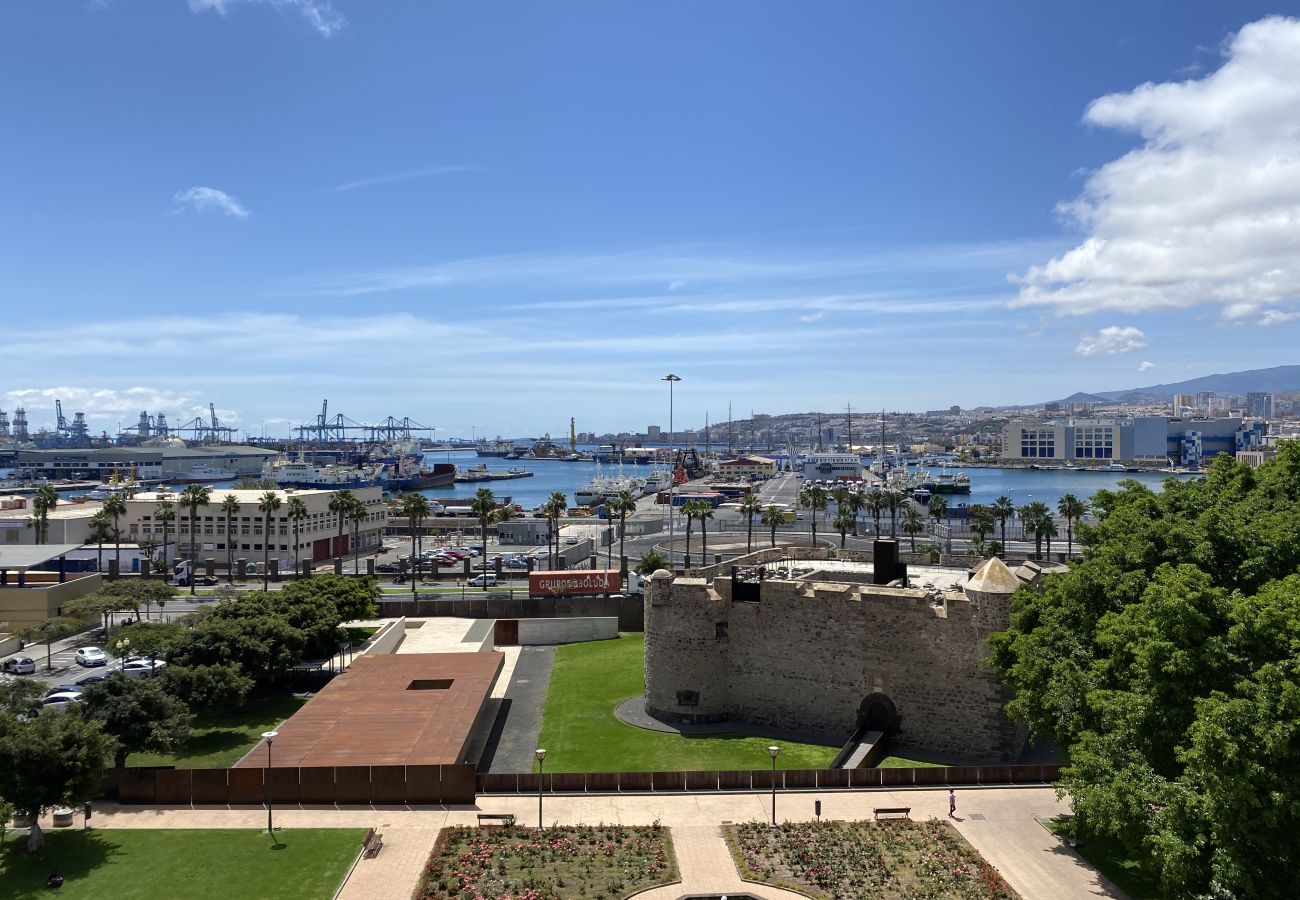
[
  {"x": 577, "y": 861},
  {"x": 902, "y": 762},
  {"x": 581, "y": 734},
  {"x": 1112, "y": 860},
  {"x": 149, "y": 864},
  {"x": 359, "y": 635},
  {"x": 890, "y": 859},
  {"x": 218, "y": 741}
]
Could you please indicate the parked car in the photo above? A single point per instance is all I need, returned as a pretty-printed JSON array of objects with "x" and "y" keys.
[
  {"x": 91, "y": 656},
  {"x": 61, "y": 701},
  {"x": 143, "y": 668},
  {"x": 487, "y": 580},
  {"x": 388, "y": 567},
  {"x": 93, "y": 678},
  {"x": 515, "y": 563},
  {"x": 19, "y": 665},
  {"x": 63, "y": 688}
]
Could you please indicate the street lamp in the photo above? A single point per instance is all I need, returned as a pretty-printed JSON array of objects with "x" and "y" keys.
[
  {"x": 672, "y": 480},
  {"x": 773, "y": 751},
  {"x": 541, "y": 767},
  {"x": 270, "y": 737},
  {"x": 122, "y": 646}
]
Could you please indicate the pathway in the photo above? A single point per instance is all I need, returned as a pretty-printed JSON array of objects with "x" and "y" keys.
[
  {"x": 707, "y": 868},
  {"x": 519, "y": 723},
  {"x": 999, "y": 822}
]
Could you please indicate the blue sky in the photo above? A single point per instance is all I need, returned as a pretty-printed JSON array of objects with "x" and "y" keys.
[{"x": 491, "y": 216}]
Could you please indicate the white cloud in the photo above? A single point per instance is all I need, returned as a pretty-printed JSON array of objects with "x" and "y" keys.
[
  {"x": 1110, "y": 341},
  {"x": 1205, "y": 212},
  {"x": 812, "y": 317},
  {"x": 1145, "y": 366},
  {"x": 320, "y": 14},
  {"x": 1277, "y": 317},
  {"x": 204, "y": 199},
  {"x": 403, "y": 176}
]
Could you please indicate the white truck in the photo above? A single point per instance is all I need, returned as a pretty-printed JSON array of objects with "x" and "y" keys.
[{"x": 181, "y": 575}]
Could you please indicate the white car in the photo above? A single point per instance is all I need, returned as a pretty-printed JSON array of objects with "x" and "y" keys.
[
  {"x": 62, "y": 700},
  {"x": 483, "y": 581},
  {"x": 91, "y": 656},
  {"x": 142, "y": 668}
]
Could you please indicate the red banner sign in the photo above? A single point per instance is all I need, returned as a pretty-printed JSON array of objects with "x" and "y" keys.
[{"x": 574, "y": 581}]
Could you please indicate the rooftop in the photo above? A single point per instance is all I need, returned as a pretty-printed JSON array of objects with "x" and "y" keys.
[
  {"x": 21, "y": 557},
  {"x": 389, "y": 709}
]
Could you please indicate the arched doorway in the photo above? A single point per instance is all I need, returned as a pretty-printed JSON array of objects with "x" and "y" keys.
[{"x": 878, "y": 713}]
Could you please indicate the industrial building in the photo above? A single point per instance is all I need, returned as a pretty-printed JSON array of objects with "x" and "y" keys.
[
  {"x": 319, "y": 536},
  {"x": 1153, "y": 440},
  {"x": 747, "y": 467},
  {"x": 147, "y": 463},
  {"x": 832, "y": 466}
]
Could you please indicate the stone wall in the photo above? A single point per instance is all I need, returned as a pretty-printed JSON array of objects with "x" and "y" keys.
[{"x": 807, "y": 656}]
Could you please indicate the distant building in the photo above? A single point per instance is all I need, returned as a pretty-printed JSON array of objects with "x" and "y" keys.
[
  {"x": 747, "y": 467},
  {"x": 1259, "y": 405},
  {"x": 833, "y": 466},
  {"x": 1142, "y": 439},
  {"x": 1184, "y": 404},
  {"x": 147, "y": 463},
  {"x": 653, "y": 433}
]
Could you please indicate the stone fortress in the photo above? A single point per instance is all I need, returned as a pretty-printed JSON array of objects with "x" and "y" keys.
[{"x": 827, "y": 655}]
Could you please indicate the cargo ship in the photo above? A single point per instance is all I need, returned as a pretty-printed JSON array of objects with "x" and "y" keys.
[{"x": 419, "y": 478}]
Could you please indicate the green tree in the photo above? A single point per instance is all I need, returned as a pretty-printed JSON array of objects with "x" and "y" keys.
[
  {"x": 43, "y": 503},
  {"x": 651, "y": 561},
  {"x": 622, "y": 505},
  {"x": 353, "y": 599},
  {"x": 1072, "y": 509},
  {"x": 269, "y": 504},
  {"x": 772, "y": 517},
  {"x": 875, "y": 504},
  {"x": 297, "y": 513},
  {"x": 415, "y": 506},
  {"x": 893, "y": 502},
  {"x": 101, "y": 529},
  {"x": 264, "y": 646},
  {"x": 164, "y": 512},
  {"x": 213, "y": 688},
  {"x": 937, "y": 508},
  {"x": 356, "y": 515},
  {"x": 50, "y": 760},
  {"x": 341, "y": 505},
  {"x": 1004, "y": 509},
  {"x": 689, "y": 509},
  {"x": 50, "y": 631},
  {"x": 139, "y": 714},
  {"x": 194, "y": 496},
  {"x": 115, "y": 508},
  {"x": 750, "y": 506},
  {"x": 554, "y": 509},
  {"x": 857, "y": 503},
  {"x": 981, "y": 520},
  {"x": 843, "y": 522},
  {"x": 230, "y": 509},
  {"x": 703, "y": 513},
  {"x": 813, "y": 498},
  {"x": 913, "y": 524},
  {"x": 484, "y": 508}
]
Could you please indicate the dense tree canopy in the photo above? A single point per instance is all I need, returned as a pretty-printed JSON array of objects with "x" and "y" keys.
[
  {"x": 139, "y": 714},
  {"x": 1167, "y": 666}
]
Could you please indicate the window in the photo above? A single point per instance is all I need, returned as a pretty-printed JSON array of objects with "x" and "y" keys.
[
  {"x": 720, "y": 630},
  {"x": 688, "y": 698}
]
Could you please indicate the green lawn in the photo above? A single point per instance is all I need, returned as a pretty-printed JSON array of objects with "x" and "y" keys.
[
  {"x": 1114, "y": 861},
  {"x": 902, "y": 762},
  {"x": 218, "y": 741},
  {"x": 358, "y": 635},
  {"x": 149, "y": 864},
  {"x": 581, "y": 734}
]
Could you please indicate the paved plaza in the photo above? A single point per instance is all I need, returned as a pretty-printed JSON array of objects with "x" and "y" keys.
[{"x": 1001, "y": 823}]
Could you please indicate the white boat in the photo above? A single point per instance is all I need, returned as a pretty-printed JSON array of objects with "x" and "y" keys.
[
  {"x": 302, "y": 474},
  {"x": 1115, "y": 467},
  {"x": 203, "y": 475}
]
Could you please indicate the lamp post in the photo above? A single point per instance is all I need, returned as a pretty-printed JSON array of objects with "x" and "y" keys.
[
  {"x": 122, "y": 647},
  {"x": 270, "y": 737},
  {"x": 773, "y": 751},
  {"x": 672, "y": 481},
  {"x": 541, "y": 767}
]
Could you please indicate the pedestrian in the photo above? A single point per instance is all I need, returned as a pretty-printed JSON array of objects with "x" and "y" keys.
[{"x": 952, "y": 803}]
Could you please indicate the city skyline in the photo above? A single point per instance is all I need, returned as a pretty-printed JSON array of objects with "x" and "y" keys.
[{"x": 491, "y": 224}]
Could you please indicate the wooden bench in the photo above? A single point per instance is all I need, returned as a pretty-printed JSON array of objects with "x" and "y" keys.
[
  {"x": 891, "y": 811},
  {"x": 503, "y": 818},
  {"x": 373, "y": 843}
]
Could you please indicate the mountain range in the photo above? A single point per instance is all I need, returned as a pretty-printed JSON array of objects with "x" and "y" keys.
[{"x": 1277, "y": 380}]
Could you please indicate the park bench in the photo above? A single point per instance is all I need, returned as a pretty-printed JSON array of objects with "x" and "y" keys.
[
  {"x": 373, "y": 843},
  {"x": 891, "y": 811},
  {"x": 503, "y": 818}
]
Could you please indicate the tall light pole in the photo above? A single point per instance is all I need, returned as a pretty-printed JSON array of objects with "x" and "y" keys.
[
  {"x": 270, "y": 737},
  {"x": 773, "y": 750},
  {"x": 541, "y": 769},
  {"x": 672, "y": 481}
]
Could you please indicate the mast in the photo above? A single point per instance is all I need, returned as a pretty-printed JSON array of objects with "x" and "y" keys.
[{"x": 849, "y": 409}]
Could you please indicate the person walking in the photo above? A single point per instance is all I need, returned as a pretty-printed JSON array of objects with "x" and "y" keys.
[{"x": 952, "y": 803}]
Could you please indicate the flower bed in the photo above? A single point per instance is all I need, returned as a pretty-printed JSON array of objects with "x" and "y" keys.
[
  {"x": 596, "y": 861},
  {"x": 898, "y": 858}
]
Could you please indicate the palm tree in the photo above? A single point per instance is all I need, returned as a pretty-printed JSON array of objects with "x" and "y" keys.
[
  {"x": 1036, "y": 517},
  {"x": 554, "y": 509},
  {"x": 621, "y": 505},
  {"x": 844, "y": 520},
  {"x": 750, "y": 506},
  {"x": 164, "y": 512},
  {"x": 772, "y": 517},
  {"x": 100, "y": 532},
  {"x": 1071, "y": 509},
  {"x": 484, "y": 507},
  {"x": 857, "y": 503},
  {"x": 229, "y": 509},
  {"x": 43, "y": 502},
  {"x": 340, "y": 503},
  {"x": 297, "y": 512},
  {"x": 704, "y": 512},
  {"x": 415, "y": 507},
  {"x": 938, "y": 509},
  {"x": 115, "y": 508},
  {"x": 1004, "y": 509},
  {"x": 357, "y": 514},
  {"x": 269, "y": 505},
  {"x": 913, "y": 524},
  {"x": 813, "y": 498},
  {"x": 981, "y": 520},
  {"x": 689, "y": 509},
  {"x": 195, "y": 495}
]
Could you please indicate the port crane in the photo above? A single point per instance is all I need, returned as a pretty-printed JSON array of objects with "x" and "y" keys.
[
  {"x": 207, "y": 431},
  {"x": 339, "y": 428}
]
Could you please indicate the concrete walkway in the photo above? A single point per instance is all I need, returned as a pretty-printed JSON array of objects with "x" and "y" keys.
[
  {"x": 999, "y": 822},
  {"x": 707, "y": 868}
]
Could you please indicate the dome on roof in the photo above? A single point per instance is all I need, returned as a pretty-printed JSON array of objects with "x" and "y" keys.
[{"x": 993, "y": 578}]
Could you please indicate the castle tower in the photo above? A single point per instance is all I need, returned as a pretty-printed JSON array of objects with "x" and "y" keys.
[
  {"x": 686, "y": 661},
  {"x": 990, "y": 589}
]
